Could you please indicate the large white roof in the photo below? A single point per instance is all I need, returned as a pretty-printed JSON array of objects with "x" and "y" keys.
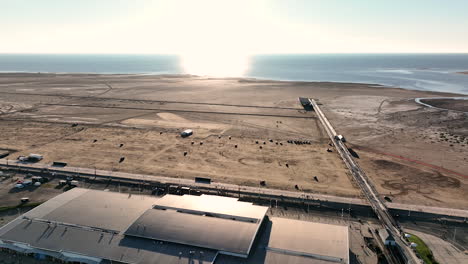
[{"x": 219, "y": 205}]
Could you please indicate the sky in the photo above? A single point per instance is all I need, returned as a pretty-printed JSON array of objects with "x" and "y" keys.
[{"x": 233, "y": 27}]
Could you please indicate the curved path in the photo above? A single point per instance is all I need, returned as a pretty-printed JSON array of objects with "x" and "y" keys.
[{"x": 418, "y": 100}]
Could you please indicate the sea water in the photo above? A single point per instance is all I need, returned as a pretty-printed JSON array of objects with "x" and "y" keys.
[{"x": 433, "y": 72}]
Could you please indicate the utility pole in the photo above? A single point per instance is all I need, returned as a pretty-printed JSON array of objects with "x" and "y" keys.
[{"x": 454, "y": 233}]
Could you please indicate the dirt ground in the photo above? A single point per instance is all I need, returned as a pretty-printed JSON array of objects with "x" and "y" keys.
[
  {"x": 414, "y": 154},
  {"x": 145, "y": 131},
  {"x": 149, "y": 152},
  {"x": 84, "y": 119}
]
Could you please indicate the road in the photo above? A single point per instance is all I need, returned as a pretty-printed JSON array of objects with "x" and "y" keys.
[
  {"x": 143, "y": 178},
  {"x": 232, "y": 188},
  {"x": 367, "y": 188}
]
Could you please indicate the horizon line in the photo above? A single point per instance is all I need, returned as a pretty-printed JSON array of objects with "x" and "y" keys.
[{"x": 253, "y": 54}]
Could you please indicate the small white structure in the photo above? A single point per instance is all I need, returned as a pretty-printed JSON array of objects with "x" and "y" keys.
[
  {"x": 413, "y": 245},
  {"x": 386, "y": 237},
  {"x": 407, "y": 235},
  {"x": 186, "y": 133}
]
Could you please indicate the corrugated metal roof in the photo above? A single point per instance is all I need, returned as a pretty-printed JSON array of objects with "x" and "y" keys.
[
  {"x": 214, "y": 204},
  {"x": 228, "y": 236},
  {"x": 103, "y": 245}
]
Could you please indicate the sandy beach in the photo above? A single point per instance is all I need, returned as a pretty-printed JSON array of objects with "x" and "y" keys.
[{"x": 413, "y": 154}]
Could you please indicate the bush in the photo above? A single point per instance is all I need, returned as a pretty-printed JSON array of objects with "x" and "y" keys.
[{"x": 422, "y": 250}]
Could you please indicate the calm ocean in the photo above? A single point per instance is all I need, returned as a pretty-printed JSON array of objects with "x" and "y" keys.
[{"x": 435, "y": 72}]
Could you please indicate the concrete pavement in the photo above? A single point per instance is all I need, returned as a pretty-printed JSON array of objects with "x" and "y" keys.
[{"x": 443, "y": 251}]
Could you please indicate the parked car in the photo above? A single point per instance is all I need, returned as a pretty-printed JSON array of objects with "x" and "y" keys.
[
  {"x": 26, "y": 183},
  {"x": 73, "y": 183}
]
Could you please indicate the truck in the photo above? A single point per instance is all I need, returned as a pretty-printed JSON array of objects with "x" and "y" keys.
[
  {"x": 30, "y": 158},
  {"x": 35, "y": 157},
  {"x": 340, "y": 138},
  {"x": 186, "y": 133}
]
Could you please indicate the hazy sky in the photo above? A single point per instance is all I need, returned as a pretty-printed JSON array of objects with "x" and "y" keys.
[{"x": 235, "y": 27}]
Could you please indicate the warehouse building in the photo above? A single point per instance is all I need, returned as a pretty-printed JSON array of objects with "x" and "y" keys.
[
  {"x": 293, "y": 241},
  {"x": 90, "y": 226}
]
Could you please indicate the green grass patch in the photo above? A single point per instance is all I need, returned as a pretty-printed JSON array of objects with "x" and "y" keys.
[
  {"x": 423, "y": 250},
  {"x": 22, "y": 205}
]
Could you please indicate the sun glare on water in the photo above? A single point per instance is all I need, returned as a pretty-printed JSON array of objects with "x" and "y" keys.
[
  {"x": 217, "y": 64},
  {"x": 214, "y": 37}
]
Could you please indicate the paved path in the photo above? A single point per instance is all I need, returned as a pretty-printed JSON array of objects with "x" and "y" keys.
[
  {"x": 443, "y": 251},
  {"x": 418, "y": 100},
  {"x": 429, "y": 209}
]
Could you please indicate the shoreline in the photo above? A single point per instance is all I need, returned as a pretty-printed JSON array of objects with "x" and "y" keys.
[{"x": 240, "y": 79}]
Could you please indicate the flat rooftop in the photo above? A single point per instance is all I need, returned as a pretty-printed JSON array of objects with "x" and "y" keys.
[
  {"x": 89, "y": 226},
  {"x": 225, "y": 235},
  {"x": 107, "y": 210},
  {"x": 307, "y": 242},
  {"x": 83, "y": 224},
  {"x": 77, "y": 244},
  {"x": 220, "y": 206}
]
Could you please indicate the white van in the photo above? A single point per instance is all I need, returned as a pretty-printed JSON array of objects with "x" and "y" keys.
[{"x": 186, "y": 133}]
